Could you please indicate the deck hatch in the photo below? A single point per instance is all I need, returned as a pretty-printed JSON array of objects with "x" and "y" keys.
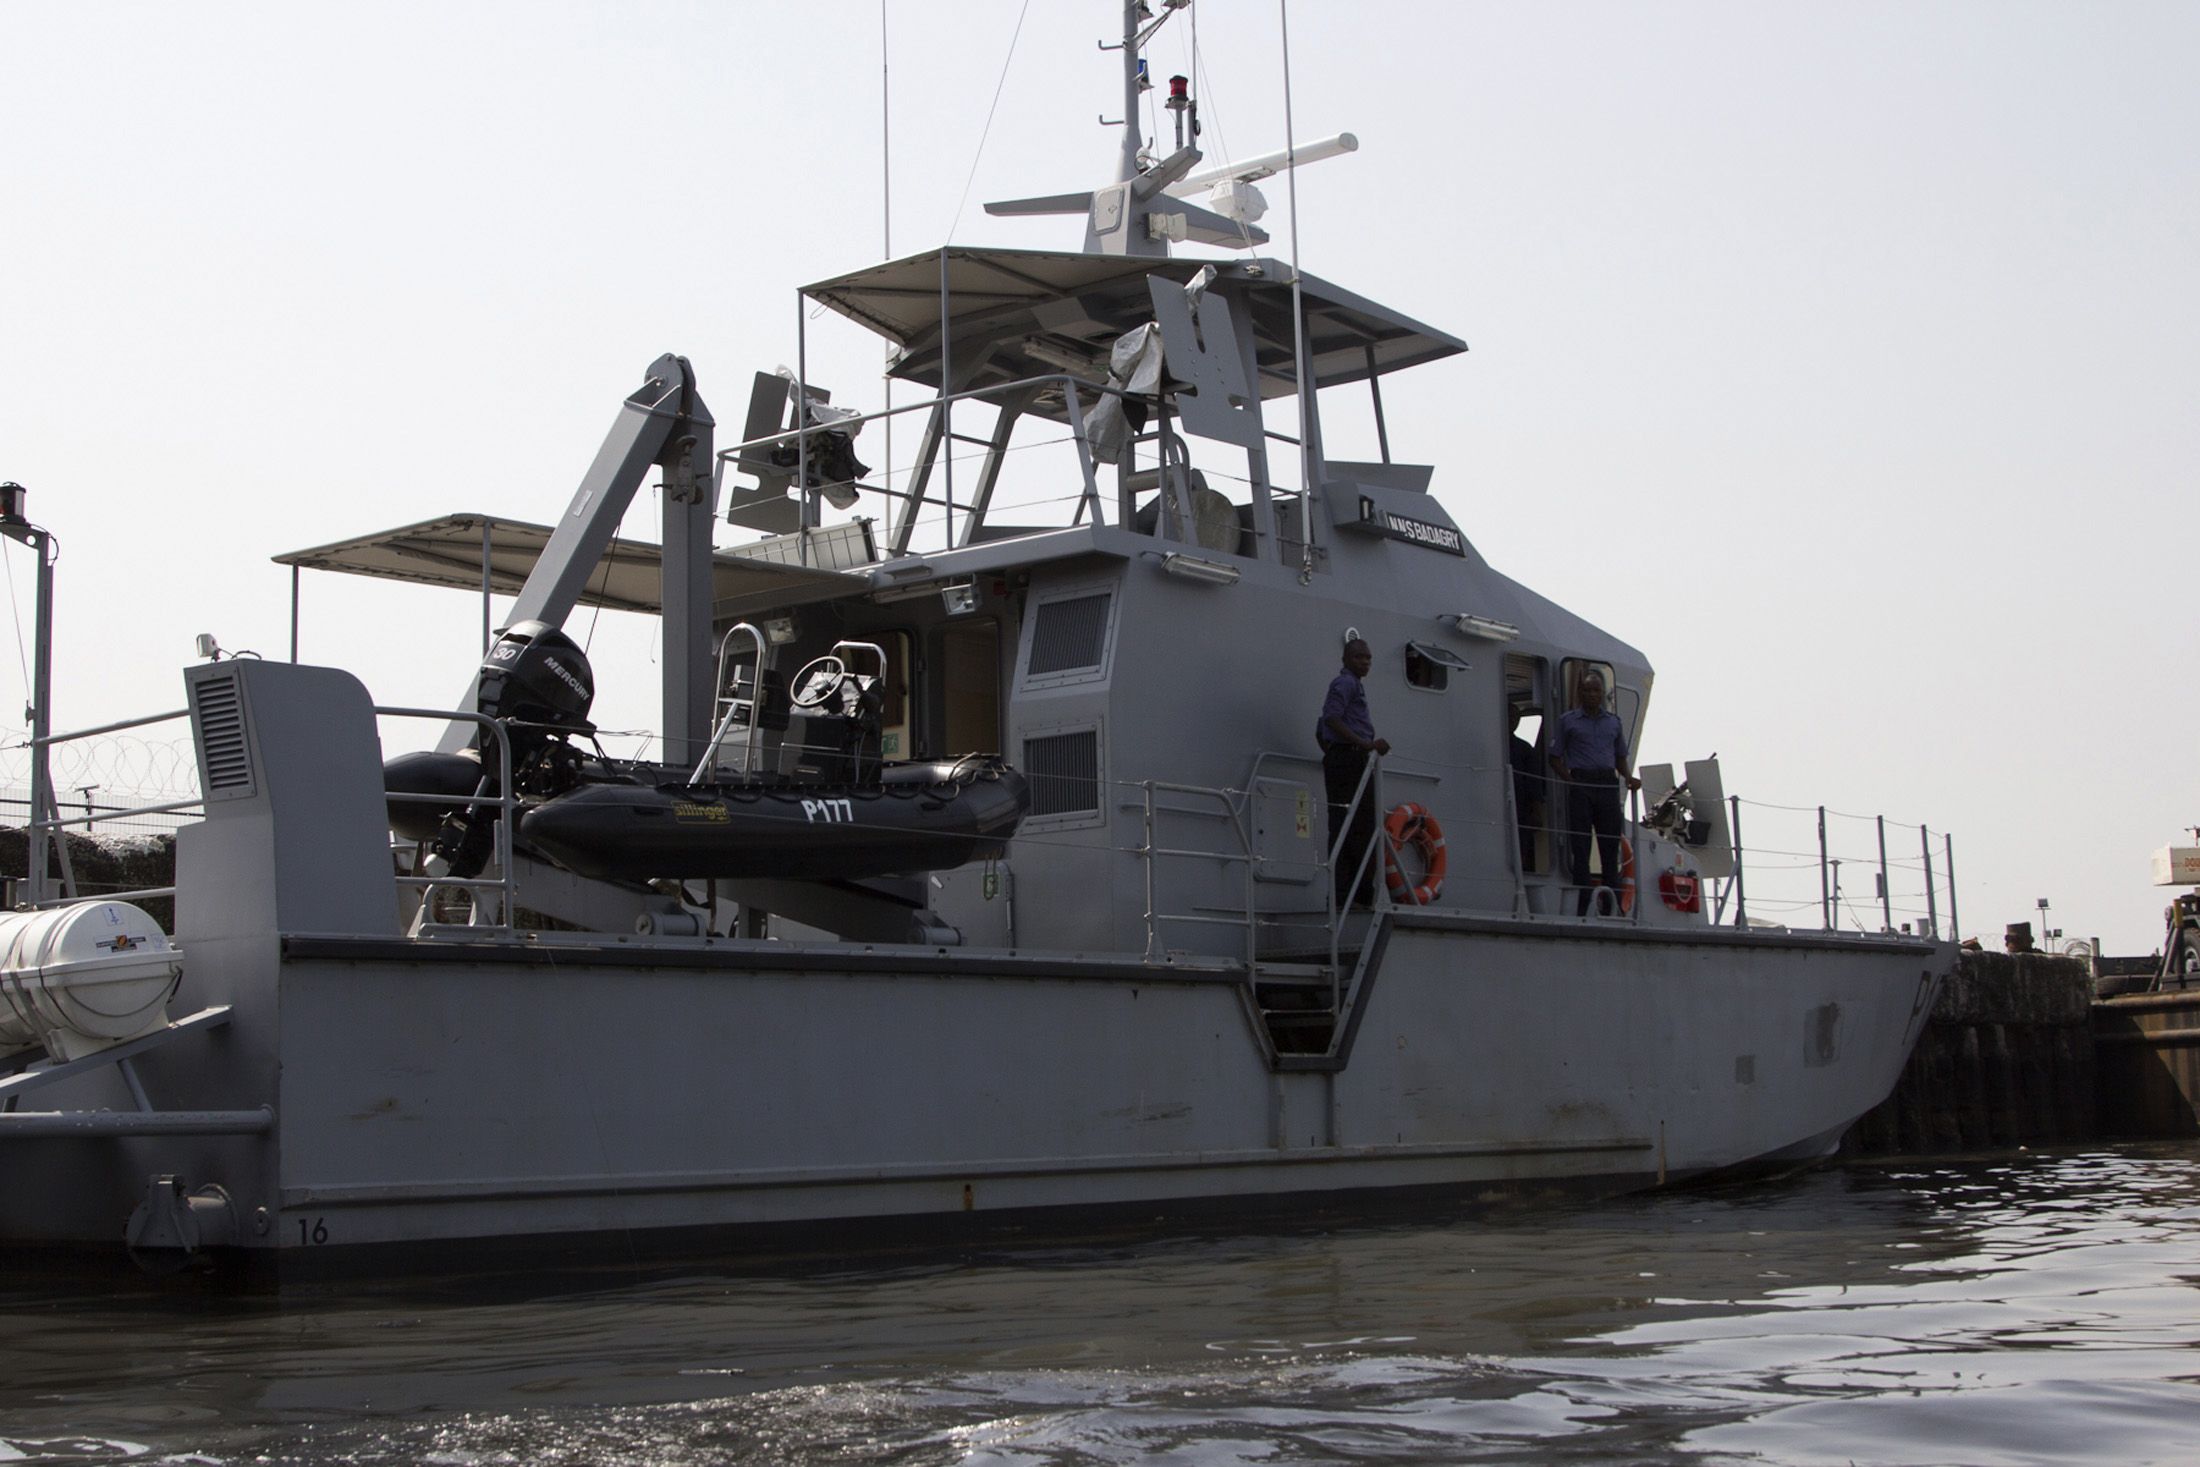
[
  {"x": 225, "y": 751},
  {"x": 1069, "y": 635},
  {"x": 1064, "y": 770}
]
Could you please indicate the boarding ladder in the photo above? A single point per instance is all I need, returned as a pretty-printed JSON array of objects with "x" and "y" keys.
[{"x": 1305, "y": 981}]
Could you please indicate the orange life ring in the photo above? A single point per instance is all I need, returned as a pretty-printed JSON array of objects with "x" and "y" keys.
[{"x": 1409, "y": 824}]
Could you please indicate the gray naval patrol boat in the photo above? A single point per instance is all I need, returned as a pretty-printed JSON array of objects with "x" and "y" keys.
[{"x": 982, "y": 875}]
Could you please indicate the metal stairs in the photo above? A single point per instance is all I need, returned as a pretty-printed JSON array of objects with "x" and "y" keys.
[{"x": 1306, "y": 986}]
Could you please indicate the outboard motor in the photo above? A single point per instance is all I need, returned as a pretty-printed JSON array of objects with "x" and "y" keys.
[
  {"x": 536, "y": 681},
  {"x": 537, "y": 674}
]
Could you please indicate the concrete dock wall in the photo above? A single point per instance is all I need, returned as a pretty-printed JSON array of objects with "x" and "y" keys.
[{"x": 2007, "y": 1059}]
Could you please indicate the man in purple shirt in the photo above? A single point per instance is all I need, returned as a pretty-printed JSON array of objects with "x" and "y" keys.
[
  {"x": 1347, "y": 737},
  {"x": 1589, "y": 753}
]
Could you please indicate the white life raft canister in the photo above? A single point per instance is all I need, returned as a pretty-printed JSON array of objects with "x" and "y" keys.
[{"x": 84, "y": 978}]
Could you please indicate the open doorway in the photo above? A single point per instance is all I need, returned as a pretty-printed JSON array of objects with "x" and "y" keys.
[
  {"x": 1528, "y": 759},
  {"x": 969, "y": 688}
]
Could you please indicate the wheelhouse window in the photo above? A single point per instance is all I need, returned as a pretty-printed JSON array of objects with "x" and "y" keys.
[{"x": 1430, "y": 667}]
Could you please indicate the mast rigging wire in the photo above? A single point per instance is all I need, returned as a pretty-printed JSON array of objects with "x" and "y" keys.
[
  {"x": 987, "y": 131},
  {"x": 610, "y": 553},
  {"x": 1298, "y": 303}
]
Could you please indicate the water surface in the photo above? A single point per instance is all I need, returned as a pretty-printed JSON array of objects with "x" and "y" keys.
[{"x": 2034, "y": 1308}]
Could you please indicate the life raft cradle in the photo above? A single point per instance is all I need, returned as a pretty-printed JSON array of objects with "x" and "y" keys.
[{"x": 32, "y": 1072}]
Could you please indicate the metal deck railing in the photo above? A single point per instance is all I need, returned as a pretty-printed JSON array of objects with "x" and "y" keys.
[
  {"x": 506, "y": 804},
  {"x": 1802, "y": 869},
  {"x": 1169, "y": 474}
]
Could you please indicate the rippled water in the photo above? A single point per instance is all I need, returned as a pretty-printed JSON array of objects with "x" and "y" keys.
[{"x": 2039, "y": 1308}]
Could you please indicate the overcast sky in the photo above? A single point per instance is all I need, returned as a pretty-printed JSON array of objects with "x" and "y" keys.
[{"x": 1844, "y": 358}]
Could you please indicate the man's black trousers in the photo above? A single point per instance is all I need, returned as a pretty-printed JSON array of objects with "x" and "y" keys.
[{"x": 1592, "y": 807}]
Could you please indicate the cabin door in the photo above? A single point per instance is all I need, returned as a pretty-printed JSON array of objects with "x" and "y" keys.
[
  {"x": 969, "y": 683},
  {"x": 1528, "y": 717}
]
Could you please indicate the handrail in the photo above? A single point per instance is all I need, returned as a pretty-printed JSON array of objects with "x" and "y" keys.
[
  {"x": 1154, "y": 917},
  {"x": 505, "y": 800},
  {"x": 507, "y": 804},
  {"x": 1071, "y": 385},
  {"x": 41, "y": 828},
  {"x": 1917, "y": 894},
  {"x": 106, "y": 728},
  {"x": 1801, "y": 841},
  {"x": 1233, "y": 805},
  {"x": 1636, "y": 860},
  {"x": 990, "y": 390},
  {"x": 756, "y": 704},
  {"x": 1328, "y": 863},
  {"x": 1370, "y": 778},
  {"x": 121, "y": 812},
  {"x": 876, "y": 651},
  {"x": 143, "y": 893}
]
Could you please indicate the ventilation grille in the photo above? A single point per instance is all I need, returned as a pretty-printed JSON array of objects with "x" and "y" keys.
[
  {"x": 225, "y": 754},
  {"x": 1069, "y": 635},
  {"x": 1064, "y": 770}
]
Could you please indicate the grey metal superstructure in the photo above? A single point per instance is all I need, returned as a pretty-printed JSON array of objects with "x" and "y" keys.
[{"x": 1151, "y": 1000}]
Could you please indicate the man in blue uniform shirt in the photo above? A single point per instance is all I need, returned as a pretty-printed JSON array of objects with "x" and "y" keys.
[
  {"x": 1589, "y": 753},
  {"x": 1347, "y": 737}
]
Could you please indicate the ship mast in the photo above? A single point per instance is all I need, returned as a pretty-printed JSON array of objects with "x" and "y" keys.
[
  {"x": 1136, "y": 215},
  {"x": 1133, "y": 142}
]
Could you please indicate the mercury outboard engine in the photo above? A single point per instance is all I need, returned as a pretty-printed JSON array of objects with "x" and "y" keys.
[
  {"x": 537, "y": 683},
  {"x": 537, "y": 674}
]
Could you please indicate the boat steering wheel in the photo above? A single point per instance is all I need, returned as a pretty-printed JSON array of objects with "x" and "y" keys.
[{"x": 818, "y": 680}]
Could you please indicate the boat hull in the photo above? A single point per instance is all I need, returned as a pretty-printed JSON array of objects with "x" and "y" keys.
[{"x": 441, "y": 1093}]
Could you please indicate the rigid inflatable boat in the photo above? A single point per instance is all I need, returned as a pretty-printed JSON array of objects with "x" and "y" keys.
[
  {"x": 850, "y": 816},
  {"x": 918, "y": 817}
]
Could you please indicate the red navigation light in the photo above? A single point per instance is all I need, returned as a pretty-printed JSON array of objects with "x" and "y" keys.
[
  {"x": 11, "y": 503},
  {"x": 1178, "y": 87}
]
